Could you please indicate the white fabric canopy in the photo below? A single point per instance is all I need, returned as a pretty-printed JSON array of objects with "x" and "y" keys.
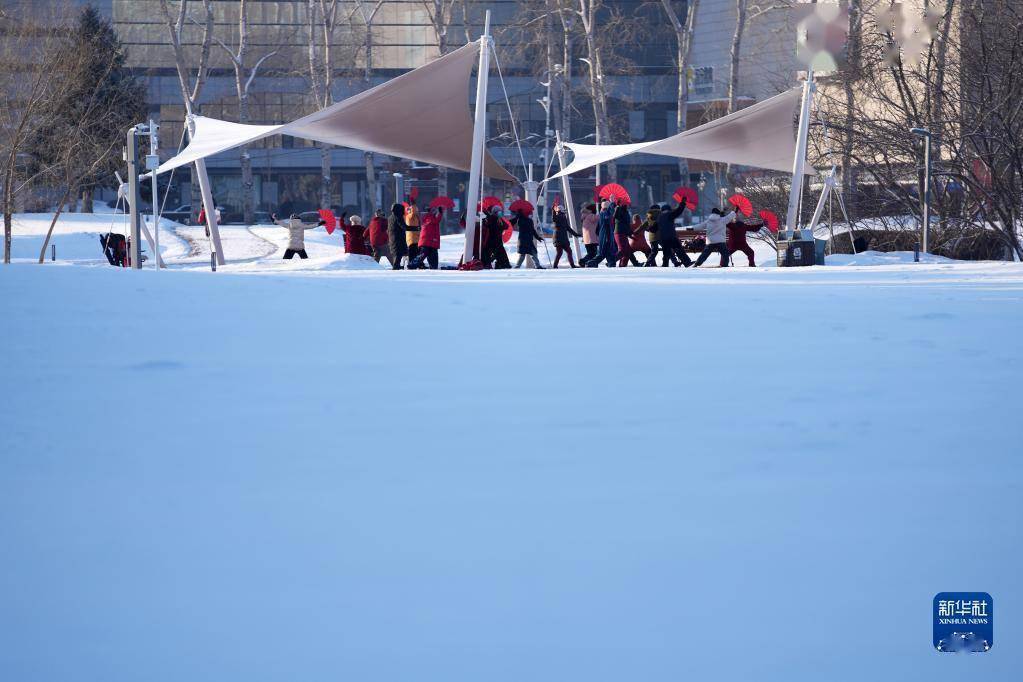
[
  {"x": 761, "y": 135},
  {"x": 422, "y": 115}
]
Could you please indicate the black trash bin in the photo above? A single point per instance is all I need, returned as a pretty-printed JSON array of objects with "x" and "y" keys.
[{"x": 795, "y": 253}]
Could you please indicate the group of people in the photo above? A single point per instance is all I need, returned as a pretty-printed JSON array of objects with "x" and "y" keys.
[
  {"x": 614, "y": 236},
  {"x": 405, "y": 238},
  {"x": 611, "y": 235}
]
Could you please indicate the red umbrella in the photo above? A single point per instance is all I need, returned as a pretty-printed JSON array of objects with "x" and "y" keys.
[
  {"x": 442, "y": 202},
  {"x": 507, "y": 234},
  {"x": 770, "y": 219},
  {"x": 329, "y": 220},
  {"x": 743, "y": 204},
  {"x": 686, "y": 195},
  {"x": 521, "y": 205},
  {"x": 613, "y": 190},
  {"x": 488, "y": 203}
]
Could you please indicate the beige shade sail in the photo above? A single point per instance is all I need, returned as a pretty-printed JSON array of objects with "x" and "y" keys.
[
  {"x": 422, "y": 115},
  {"x": 761, "y": 136}
]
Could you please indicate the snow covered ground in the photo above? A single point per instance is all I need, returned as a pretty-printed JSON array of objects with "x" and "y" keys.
[{"x": 323, "y": 470}]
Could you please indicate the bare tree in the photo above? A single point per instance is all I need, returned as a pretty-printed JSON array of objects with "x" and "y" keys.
[
  {"x": 588, "y": 16},
  {"x": 34, "y": 60},
  {"x": 367, "y": 11},
  {"x": 244, "y": 75},
  {"x": 683, "y": 47},
  {"x": 191, "y": 88}
]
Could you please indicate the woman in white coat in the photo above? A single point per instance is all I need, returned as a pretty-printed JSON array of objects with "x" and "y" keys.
[{"x": 717, "y": 235}]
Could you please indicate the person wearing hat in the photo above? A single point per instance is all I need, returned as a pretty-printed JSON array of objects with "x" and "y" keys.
[
  {"x": 528, "y": 234},
  {"x": 562, "y": 228},
  {"x": 716, "y": 225},
  {"x": 296, "y": 235},
  {"x": 396, "y": 236},
  {"x": 736, "y": 240},
  {"x": 668, "y": 238},
  {"x": 355, "y": 236},
  {"x": 429, "y": 240},
  {"x": 412, "y": 229},
  {"x": 588, "y": 222},
  {"x": 494, "y": 254},
  {"x": 377, "y": 235},
  {"x": 606, "y": 249}
]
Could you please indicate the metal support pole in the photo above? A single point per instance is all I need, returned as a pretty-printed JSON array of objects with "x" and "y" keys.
[
  {"x": 134, "y": 200},
  {"x": 152, "y": 163},
  {"x": 399, "y": 191},
  {"x": 799, "y": 163},
  {"x": 479, "y": 135},
  {"x": 927, "y": 190},
  {"x": 207, "y": 200},
  {"x": 926, "y": 226},
  {"x": 566, "y": 191}
]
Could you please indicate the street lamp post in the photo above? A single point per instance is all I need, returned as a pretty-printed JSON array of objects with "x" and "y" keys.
[{"x": 926, "y": 134}]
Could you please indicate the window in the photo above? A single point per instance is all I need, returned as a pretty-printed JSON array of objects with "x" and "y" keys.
[
  {"x": 703, "y": 80},
  {"x": 637, "y": 125}
]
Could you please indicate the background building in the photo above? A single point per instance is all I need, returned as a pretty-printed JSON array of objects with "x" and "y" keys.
[{"x": 642, "y": 96}]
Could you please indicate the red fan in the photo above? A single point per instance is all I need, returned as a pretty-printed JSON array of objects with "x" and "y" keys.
[
  {"x": 770, "y": 219},
  {"x": 613, "y": 190},
  {"x": 557, "y": 201},
  {"x": 442, "y": 202},
  {"x": 413, "y": 193},
  {"x": 521, "y": 205},
  {"x": 488, "y": 203},
  {"x": 507, "y": 234},
  {"x": 329, "y": 220},
  {"x": 686, "y": 195},
  {"x": 743, "y": 204}
]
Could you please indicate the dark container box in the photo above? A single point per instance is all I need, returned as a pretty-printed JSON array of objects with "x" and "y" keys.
[{"x": 796, "y": 253}]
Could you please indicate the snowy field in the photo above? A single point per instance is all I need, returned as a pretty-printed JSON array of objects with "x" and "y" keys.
[{"x": 323, "y": 470}]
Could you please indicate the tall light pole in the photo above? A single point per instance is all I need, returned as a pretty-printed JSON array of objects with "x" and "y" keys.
[{"x": 926, "y": 134}]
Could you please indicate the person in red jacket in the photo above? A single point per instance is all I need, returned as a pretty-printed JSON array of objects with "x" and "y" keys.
[
  {"x": 736, "y": 239},
  {"x": 355, "y": 237},
  {"x": 378, "y": 236},
  {"x": 429, "y": 239}
]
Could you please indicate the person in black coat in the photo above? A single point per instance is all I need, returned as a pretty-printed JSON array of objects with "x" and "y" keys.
[
  {"x": 396, "y": 235},
  {"x": 528, "y": 234},
  {"x": 494, "y": 255},
  {"x": 668, "y": 238},
  {"x": 562, "y": 228}
]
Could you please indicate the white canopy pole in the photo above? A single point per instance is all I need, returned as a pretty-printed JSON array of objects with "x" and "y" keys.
[
  {"x": 207, "y": 199},
  {"x": 566, "y": 190},
  {"x": 479, "y": 136},
  {"x": 798, "y": 164}
]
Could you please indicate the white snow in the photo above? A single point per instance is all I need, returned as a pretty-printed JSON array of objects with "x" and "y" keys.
[{"x": 323, "y": 470}]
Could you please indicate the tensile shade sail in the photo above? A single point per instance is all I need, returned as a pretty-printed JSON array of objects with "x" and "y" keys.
[
  {"x": 741, "y": 204},
  {"x": 770, "y": 220},
  {"x": 521, "y": 206},
  {"x": 612, "y": 191},
  {"x": 686, "y": 195},
  {"x": 443, "y": 202}
]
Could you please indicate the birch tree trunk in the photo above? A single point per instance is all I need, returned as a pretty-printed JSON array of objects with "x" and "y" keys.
[
  {"x": 190, "y": 92},
  {"x": 588, "y": 18},
  {"x": 683, "y": 46}
]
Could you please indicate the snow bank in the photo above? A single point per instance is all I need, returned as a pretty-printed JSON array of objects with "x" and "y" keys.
[{"x": 874, "y": 258}]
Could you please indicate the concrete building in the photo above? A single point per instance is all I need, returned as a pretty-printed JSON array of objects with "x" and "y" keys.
[{"x": 402, "y": 38}]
